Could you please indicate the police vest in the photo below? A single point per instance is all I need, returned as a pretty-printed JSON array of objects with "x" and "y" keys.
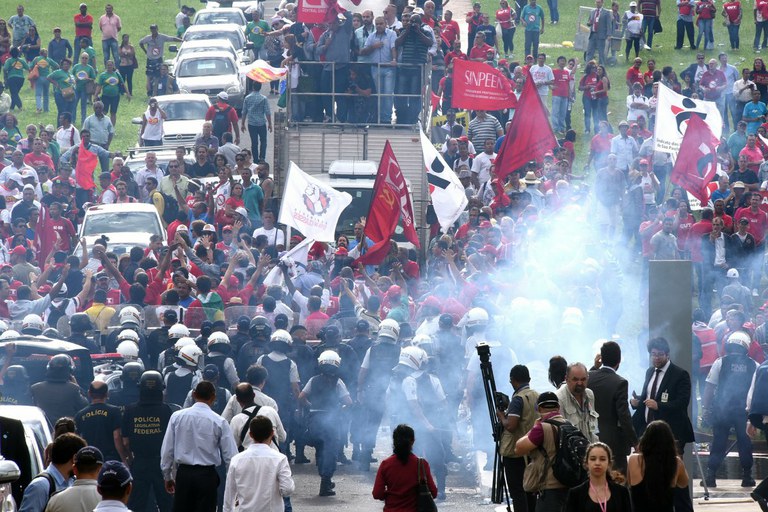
[
  {"x": 525, "y": 422},
  {"x": 178, "y": 388},
  {"x": 124, "y": 397},
  {"x": 278, "y": 385},
  {"x": 735, "y": 379},
  {"x": 219, "y": 361},
  {"x": 221, "y": 400},
  {"x": 430, "y": 403},
  {"x": 708, "y": 341},
  {"x": 323, "y": 395},
  {"x": 146, "y": 425},
  {"x": 383, "y": 357}
]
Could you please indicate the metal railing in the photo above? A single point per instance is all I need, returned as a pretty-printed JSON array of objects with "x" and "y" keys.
[{"x": 316, "y": 99}]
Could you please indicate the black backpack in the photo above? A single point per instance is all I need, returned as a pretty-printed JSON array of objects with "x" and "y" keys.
[
  {"x": 171, "y": 210},
  {"x": 220, "y": 123},
  {"x": 571, "y": 448},
  {"x": 56, "y": 312}
]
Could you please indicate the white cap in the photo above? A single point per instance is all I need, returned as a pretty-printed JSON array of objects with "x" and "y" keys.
[
  {"x": 242, "y": 211},
  {"x": 732, "y": 272},
  {"x": 16, "y": 176},
  {"x": 29, "y": 187},
  {"x": 223, "y": 96},
  {"x": 209, "y": 227},
  {"x": 633, "y": 4}
]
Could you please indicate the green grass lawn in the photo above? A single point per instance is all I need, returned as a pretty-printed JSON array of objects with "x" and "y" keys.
[
  {"x": 136, "y": 16},
  {"x": 663, "y": 52}
]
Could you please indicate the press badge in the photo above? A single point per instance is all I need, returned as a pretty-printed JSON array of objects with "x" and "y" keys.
[{"x": 664, "y": 397}]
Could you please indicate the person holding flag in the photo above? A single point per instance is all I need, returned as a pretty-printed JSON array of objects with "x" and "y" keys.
[{"x": 83, "y": 159}]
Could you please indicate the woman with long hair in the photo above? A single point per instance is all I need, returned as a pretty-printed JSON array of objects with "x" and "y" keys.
[
  {"x": 127, "y": 62},
  {"x": 505, "y": 17},
  {"x": 601, "y": 96},
  {"x": 397, "y": 481},
  {"x": 587, "y": 86},
  {"x": 604, "y": 490},
  {"x": 5, "y": 40},
  {"x": 31, "y": 45},
  {"x": 557, "y": 368},
  {"x": 655, "y": 474},
  {"x": 760, "y": 77}
]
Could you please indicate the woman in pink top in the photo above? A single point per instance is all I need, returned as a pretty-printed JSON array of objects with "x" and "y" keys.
[{"x": 505, "y": 17}]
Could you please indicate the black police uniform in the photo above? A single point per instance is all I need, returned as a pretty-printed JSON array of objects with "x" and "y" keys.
[
  {"x": 144, "y": 424},
  {"x": 325, "y": 397},
  {"x": 96, "y": 424},
  {"x": 238, "y": 341},
  {"x": 249, "y": 354},
  {"x": 383, "y": 357},
  {"x": 178, "y": 387},
  {"x": 84, "y": 341},
  {"x": 157, "y": 342},
  {"x": 219, "y": 359},
  {"x": 58, "y": 398},
  {"x": 448, "y": 362},
  {"x": 127, "y": 395}
]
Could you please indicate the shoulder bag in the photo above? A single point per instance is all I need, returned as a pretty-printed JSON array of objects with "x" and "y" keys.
[{"x": 424, "y": 500}]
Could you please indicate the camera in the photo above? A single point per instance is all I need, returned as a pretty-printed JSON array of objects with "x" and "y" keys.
[{"x": 501, "y": 400}]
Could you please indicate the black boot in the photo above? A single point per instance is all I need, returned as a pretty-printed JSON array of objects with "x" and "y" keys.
[
  {"x": 326, "y": 486},
  {"x": 746, "y": 479},
  {"x": 710, "y": 481}
]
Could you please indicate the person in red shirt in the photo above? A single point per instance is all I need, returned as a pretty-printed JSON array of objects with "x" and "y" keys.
[
  {"x": 57, "y": 230},
  {"x": 732, "y": 14},
  {"x": 600, "y": 146},
  {"x": 720, "y": 213},
  {"x": 83, "y": 26},
  {"x": 474, "y": 20},
  {"x": 706, "y": 11},
  {"x": 479, "y": 50},
  {"x": 38, "y": 157},
  {"x": 561, "y": 91},
  {"x": 450, "y": 31},
  {"x": 455, "y": 53},
  {"x": 397, "y": 475},
  {"x": 713, "y": 83},
  {"x": 222, "y": 105},
  {"x": 505, "y": 17},
  {"x": 634, "y": 74},
  {"x": 695, "y": 235},
  {"x": 651, "y": 68}
]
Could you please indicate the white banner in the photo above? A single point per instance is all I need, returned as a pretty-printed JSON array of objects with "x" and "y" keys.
[
  {"x": 672, "y": 113},
  {"x": 298, "y": 254},
  {"x": 311, "y": 206},
  {"x": 445, "y": 189}
]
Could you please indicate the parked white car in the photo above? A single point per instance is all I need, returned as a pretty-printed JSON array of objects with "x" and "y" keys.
[
  {"x": 210, "y": 73},
  {"x": 185, "y": 117},
  {"x": 243, "y": 5}
]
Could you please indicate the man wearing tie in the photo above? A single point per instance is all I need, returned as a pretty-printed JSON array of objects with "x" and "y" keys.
[
  {"x": 666, "y": 395},
  {"x": 599, "y": 29}
]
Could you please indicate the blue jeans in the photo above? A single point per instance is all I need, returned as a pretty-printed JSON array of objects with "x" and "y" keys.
[
  {"x": 733, "y": 35},
  {"x": 110, "y": 46},
  {"x": 384, "y": 80},
  {"x": 77, "y": 49},
  {"x": 42, "y": 89},
  {"x": 760, "y": 26},
  {"x": 705, "y": 29},
  {"x": 554, "y": 13},
  {"x": 532, "y": 42},
  {"x": 82, "y": 98},
  {"x": 408, "y": 108},
  {"x": 63, "y": 105},
  {"x": 648, "y": 23},
  {"x": 559, "y": 109}
]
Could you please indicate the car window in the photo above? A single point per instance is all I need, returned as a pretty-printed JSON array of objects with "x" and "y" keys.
[
  {"x": 116, "y": 222},
  {"x": 184, "y": 110},
  {"x": 201, "y": 36},
  {"x": 213, "y": 18},
  {"x": 205, "y": 67},
  {"x": 189, "y": 51}
]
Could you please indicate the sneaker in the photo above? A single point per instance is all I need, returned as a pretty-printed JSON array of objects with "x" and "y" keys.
[
  {"x": 747, "y": 481},
  {"x": 646, "y": 47}
]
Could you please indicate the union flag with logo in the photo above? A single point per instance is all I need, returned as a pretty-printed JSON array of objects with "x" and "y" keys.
[{"x": 696, "y": 163}]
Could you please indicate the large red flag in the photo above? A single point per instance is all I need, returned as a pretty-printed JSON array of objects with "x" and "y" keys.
[
  {"x": 391, "y": 202},
  {"x": 86, "y": 164},
  {"x": 696, "y": 162},
  {"x": 478, "y": 86},
  {"x": 530, "y": 135}
]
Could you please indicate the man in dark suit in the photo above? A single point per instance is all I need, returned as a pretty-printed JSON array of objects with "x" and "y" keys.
[
  {"x": 612, "y": 404},
  {"x": 665, "y": 396},
  {"x": 600, "y": 22}
]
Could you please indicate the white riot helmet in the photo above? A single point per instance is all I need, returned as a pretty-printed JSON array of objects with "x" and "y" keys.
[
  {"x": 218, "y": 338},
  {"x": 412, "y": 357},
  {"x": 389, "y": 329},
  {"x": 9, "y": 335},
  {"x": 32, "y": 324},
  {"x": 128, "y": 350},
  {"x": 281, "y": 340},
  {"x": 476, "y": 317},
  {"x": 424, "y": 342},
  {"x": 3, "y": 326},
  {"x": 330, "y": 358},
  {"x": 128, "y": 335},
  {"x": 740, "y": 339},
  {"x": 129, "y": 315},
  {"x": 177, "y": 331},
  {"x": 182, "y": 342},
  {"x": 190, "y": 355}
]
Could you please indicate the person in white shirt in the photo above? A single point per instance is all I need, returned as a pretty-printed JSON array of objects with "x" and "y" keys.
[
  {"x": 245, "y": 396},
  {"x": 637, "y": 104},
  {"x": 258, "y": 478},
  {"x": 274, "y": 236},
  {"x": 543, "y": 76},
  {"x": 151, "y": 169},
  {"x": 484, "y": 161},
  {"x": 67, "y": 135}
]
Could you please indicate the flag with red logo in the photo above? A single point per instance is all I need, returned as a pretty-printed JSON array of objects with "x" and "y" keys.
[
  {"x": 478, "y": 86},
  {"x": 390, "y": 203},
  {"x": 696, "y": 162},
  {"x": 323, "y": 11},
  {"x": 673, "y": 115},
  {"x": 530, "y": 135},
  {"x": 261, "y": 71},
  {"x": 86, "y": 164}
]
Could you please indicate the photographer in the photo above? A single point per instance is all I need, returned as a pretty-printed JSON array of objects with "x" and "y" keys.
[
  {"x": 361, "y": 109},
  {"x": 413, "y": 43}
]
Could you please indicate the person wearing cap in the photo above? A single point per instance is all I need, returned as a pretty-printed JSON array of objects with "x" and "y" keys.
[
  {"x": 624, "y": 147},
  {"x": 632, "y": 21},
  {"x": 189, "y": 466},
  {"x": 223, "y": 118},
  {"x": 744, "y": 248},
  {"x": 115, "y": 485},
  {"x": 83, "y": 26},
  {"x": 153, "y": 47},
  {"x": 83, "y": 495},
  {"x": 59, "y": 48},
  {"x": 58, "y": 474},
  {"x": 539, "y": 442}
]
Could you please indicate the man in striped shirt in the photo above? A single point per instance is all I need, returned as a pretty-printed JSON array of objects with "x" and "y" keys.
[{"x": 483, "y": 127}]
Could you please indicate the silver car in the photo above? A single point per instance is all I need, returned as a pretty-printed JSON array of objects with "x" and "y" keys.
[{"x": 211, "y": 73}]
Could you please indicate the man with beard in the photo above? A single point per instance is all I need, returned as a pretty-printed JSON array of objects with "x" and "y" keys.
[{"x": 577, "y": 402}]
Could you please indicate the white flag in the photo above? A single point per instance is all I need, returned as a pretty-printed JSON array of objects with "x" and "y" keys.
[
  {"x": 672, "y": 113},
  {"x": 445, "y": 189},
  {"x": 298, "y": 254},
  {"x": 311, "y": 206}
]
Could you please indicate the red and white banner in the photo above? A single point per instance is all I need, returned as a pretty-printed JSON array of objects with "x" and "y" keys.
[
  {"x": 673, "y": 114},
  {"x": 322, "y": 11},
  {"x": 262, "y": 72},
  {"x": 696, "y": 163},
  {"x": 478, "y": 86}
]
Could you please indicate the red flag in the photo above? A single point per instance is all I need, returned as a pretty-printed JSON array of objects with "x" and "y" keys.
[
  {"x": 435, "y": 101},
  {"x": 86, "y": 164},
  {"x": 478, "y": 86},
  {"x": 391, "y": 202},
  {"x": 530, "y": 135},
  {"x": 696, "y": 162}
]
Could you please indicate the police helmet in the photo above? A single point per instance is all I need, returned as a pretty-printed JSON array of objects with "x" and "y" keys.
[
  {"x": 129, "y": 315},
  {"x": 329, "y": 358},
  {"x": 80, "y": 322},
  {"x": 739, "y": 339},
  {"x": 280, "y": 341},
  {"x": 476, "y": 317},
  {"x": 260, "y": 328},
  {"x": 389, "y": 328},
  {"x": 3, "y": 326},
  {"x": 412, "y": 357},
  {"x": 177, "y": 331},
  {"x": 424, "y": 342},
  {"x": 151, "y": 381},
  {"x": 190, "y": 355},
  {"x": 445, "y": 320},
  {"x": 60, "y": 367},
  {"x": 182, "y": 342},
  {"x": 243, "y": 323},
  {"x": 128, "y": 335},
  {"x": 132, "y": 372},
  {"x": 128, "y": 350},
  {"x": 16, "y": 376},
  {"x": 52, "y": 332},
  {"x": 206, "y": 328},
  {"x": 218, "y": 338},
  {"x": 9, "y": 335},
  {"x": 33, "y": 325}
]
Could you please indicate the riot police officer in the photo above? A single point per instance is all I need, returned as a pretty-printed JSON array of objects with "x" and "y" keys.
[
  {"x": 249, "y": 353},
  {"x": 130, "y": 318},
  {"x": 183, "y": 375},
  {"x": 324, "y": 396},
  {"x": 449, "y": 355},
  {"x": 168, "y": 355},
  {"x": 58, "y": 395},
  {"x": 79, "y": 324},
  {"x": 143, "y": 428},
  {"x": 15, "y": 389},
  {"x": 206, "y": 329},
  {"x": 211, "y": 374},
  {"x": 219, "y": 351},
  {"x": 158, "y": 340},
  {"x": 373, "y": 380},
  {"x": 32, "y": 325},
  {"x": 129, "y": 390},
  {"x": 241, "y": 336},
  {"x": 361, "y": 341},
  {"x": 283, "y": 382},
  {"x": 98, "y": 421},
  {"x": 724, "y": 401},
  {"x": 128, "y": 346}
]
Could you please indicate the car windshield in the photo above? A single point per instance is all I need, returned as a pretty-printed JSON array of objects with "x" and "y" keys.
[
  {"x": 200, "y": 36},
  {"x": 184, "y": 110},
  {"x": 214, "y": 18},
  {"x": 205, "y": 67},
  {"x": 205, "y": 49},
  {"x": 116, "y": 222}
]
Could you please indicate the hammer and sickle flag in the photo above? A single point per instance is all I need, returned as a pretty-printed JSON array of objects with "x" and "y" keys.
[{"x": 696, "y": 162}]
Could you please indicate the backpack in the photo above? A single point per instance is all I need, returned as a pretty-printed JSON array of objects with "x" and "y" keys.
[
  {"x": 247, "y": 425},
  {"x": 56, "y": 312},
  {"x": 220, "y": 122},
  {"x": 571, "y": 448},
  {"x": 171, "y": 210}
]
